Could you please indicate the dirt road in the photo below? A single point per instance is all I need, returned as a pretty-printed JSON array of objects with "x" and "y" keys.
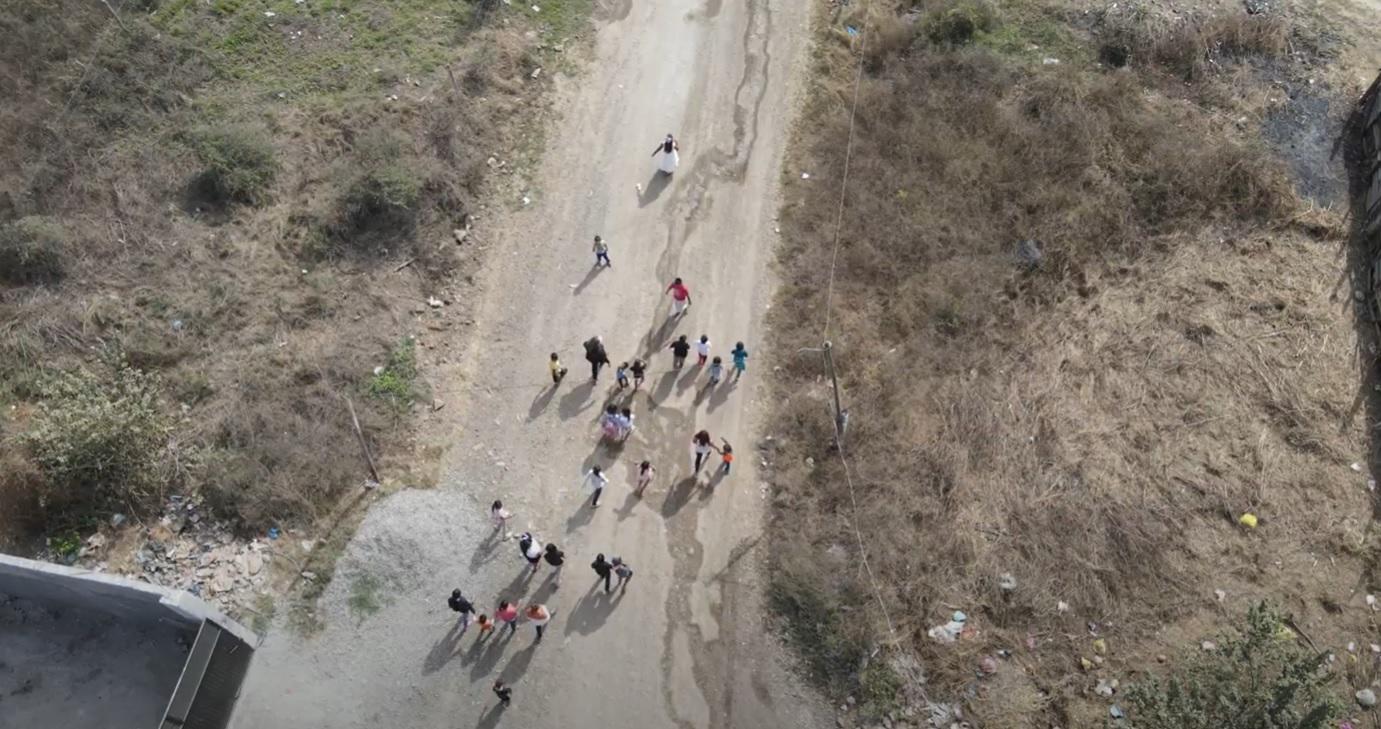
[{"x": 684, "y": 647}]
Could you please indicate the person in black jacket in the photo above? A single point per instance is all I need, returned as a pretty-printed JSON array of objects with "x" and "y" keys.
[
  {"x": 557, "y": 559},
  {"x": 596, "y": 356},
  {"x": 603, "y": 570},
  {"x": 679, "y": 349},
  {"x": 459, "y": 604}
]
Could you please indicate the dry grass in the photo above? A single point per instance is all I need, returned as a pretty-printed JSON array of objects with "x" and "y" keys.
[
  {"x": 1091, "y": 425},
  {"x": 260, "y": 318}
]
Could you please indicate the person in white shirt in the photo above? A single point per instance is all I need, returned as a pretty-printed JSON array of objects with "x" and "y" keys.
[
  {"x": 595, "y": 480},
  {"x": 702, "y": 349}
]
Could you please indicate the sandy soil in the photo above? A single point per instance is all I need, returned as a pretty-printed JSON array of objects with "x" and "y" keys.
[{"x": 685, "y": 646}]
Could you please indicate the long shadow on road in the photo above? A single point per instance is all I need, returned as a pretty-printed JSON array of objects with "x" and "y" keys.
[
  {"x": 577, "y": 401},
  {"x": 443, "y": 651},
  {"x": 592, "y": 611}
]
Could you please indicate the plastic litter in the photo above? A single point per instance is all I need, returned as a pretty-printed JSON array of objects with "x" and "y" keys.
[
  {"x": 950, "y": 631},
  {"x": 1247, "y": 520}
]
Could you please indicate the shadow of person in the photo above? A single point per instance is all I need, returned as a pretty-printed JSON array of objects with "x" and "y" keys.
[
  {"x": 443, "y": 651},
  {"x": 653, "y": 188},
  {"x": 577, "y": 401},
  {"x": 485, "y": 551},
  {"x": 656, "y": 338},
  {"x": 591, "y": 612},
  {"x": 687, "y": 379},
  {"x": 720, "y": 394},
  {"x": 484, "y": 655},
  {"x": 517, "y": 589},
  {"x": 540, "y": 403},
  {"x": 678, "y": 496},
  {"x": 589, "y": 277},
  {"x": 517, "y": 665},
  {"x": 662, "y": 390},
  {"x": 629, "y": 501},
  {"x": 490, "y": 718},
  {"x": 582, "y": 516}
]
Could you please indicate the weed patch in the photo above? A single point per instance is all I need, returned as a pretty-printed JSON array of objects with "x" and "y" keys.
[
  {"x": 240, "y": 162},
  {"x": 1044, "y": 293},
  {"x": 99, "y": 439},
  {"x": 32, "y": 251},
  {"x": 396, "y": 381},
  {"x": 364, "y": 598}
]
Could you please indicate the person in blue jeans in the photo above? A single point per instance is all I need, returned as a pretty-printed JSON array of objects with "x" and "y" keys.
[
  {"x": 601, "y": 250},
  {"x": 740, "y": 356}
]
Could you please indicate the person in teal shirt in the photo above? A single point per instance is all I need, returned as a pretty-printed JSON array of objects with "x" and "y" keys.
[{"x": 740, "y": 356}]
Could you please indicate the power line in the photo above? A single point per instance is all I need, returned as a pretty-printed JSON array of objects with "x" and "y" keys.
[{"x": 841, "y": 414}]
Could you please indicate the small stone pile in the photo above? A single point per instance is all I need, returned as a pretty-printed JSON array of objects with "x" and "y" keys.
[{"x": 186, "y": 551}]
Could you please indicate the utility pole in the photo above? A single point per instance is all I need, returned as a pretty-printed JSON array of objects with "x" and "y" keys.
[{"x": 841, "y": 416}]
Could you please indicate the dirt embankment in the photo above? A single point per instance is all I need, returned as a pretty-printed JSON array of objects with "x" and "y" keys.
[
  {"x": 225, "y": 219},
  {"x": 1091, "y": 306}
]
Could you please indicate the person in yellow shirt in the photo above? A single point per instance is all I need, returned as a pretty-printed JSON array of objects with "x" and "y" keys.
[{"x": 557, "y": 370}]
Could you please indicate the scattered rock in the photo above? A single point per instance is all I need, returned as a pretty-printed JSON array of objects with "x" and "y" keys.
[
  {"x": 1105, "y": 687},
  {"x": 1007, "y": 582},
  {"x": 308, "y": 575},
  {"x": 1220, "y": 595},
  {"x": 117, "y": 519},
  {"x": 1100, "y": 646},
  {"x": 434, "y": 302},
  {"x": 1366, "y": 698},
  {"x": 1208, "y": 645}
]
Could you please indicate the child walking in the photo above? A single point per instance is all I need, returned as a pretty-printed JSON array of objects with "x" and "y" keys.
[
  {"x": 639, "y": 369},
  {"x": 486, "y": 625},
  {"x": 499, "y": 516},
  {"x": 726, "y": 451},
  {"x": 716, "y": 371},
  {"x": 601, "y": 250},
  {"x": 623, "y": 571},
  {"x": 504, "y": 693},
  {"x": 740, "y": 356},
  {"x": 702, "y": 350},
  {"x": 558, "y": 370},
  {"x": 645, "y": 474},
  {"x": 621, "y": 375}
]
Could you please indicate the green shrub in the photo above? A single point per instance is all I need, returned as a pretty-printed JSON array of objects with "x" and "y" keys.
[
  {"x": 240, "y": 162},
  {"x": 99, "y": 440},
  {"x": 1262, "y": 677},
  {"x": 384, "y": 184},
  {"x": 396, "y": 381},
  {"x": 956, "y": 23},
  {"x": 32, "y": 251}
]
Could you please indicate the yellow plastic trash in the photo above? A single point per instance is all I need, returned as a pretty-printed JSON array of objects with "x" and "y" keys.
[
  {"x": 1100, "y": 646},
  {"x": 1247, "y": 520}
]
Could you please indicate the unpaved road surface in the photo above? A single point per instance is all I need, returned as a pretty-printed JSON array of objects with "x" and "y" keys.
[{"x": 685, "y": 646}]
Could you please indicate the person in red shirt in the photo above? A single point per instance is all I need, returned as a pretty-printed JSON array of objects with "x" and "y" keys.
[{"x": 680, "y": 298}]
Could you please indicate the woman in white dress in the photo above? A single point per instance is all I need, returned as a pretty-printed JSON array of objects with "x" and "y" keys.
[{"x": 668, "y": 149}]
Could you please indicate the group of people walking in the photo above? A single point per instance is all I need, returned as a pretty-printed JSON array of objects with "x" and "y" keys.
[{"x": 616, "y": 425}]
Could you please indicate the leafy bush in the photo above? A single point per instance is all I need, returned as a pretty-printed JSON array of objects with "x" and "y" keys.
[
  {"x": 99, "y": 440},
  {"x": 385, "y": 187},
  {"x": 396, "y": 380},
  {"x": 1260, "y": 678},
  {"x": 956, "y": 23},
  {"x": 240, "y": 162},
  {"x": 31, "y": 251}
]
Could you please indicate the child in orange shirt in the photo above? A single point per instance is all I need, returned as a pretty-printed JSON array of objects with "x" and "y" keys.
[
  {"x": 727, "y": 451},
  {"x": 485, "y": 625}
]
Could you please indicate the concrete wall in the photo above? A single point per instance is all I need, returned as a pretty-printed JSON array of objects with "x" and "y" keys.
[{"x": 138, "y": 603}]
